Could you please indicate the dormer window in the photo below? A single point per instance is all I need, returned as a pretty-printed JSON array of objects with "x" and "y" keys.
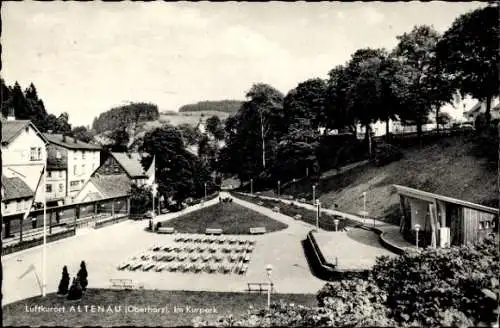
[{"x": 58, "y": 155}]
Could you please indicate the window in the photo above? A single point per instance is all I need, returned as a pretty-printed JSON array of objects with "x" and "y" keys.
[
  {"x": 61, "y": 187},
  {"x": 33, "y": 154},
  {"x": 60, "y": 174},
  {"x": 19, "y": 205},
  {"x": 58, "y": 155},
  {"x": 93, "y": 167},
  {"x": 74, "y": 170},
  {"x": 39, "y": 153},
  {"x": 75, "y": 155},
  {"x": 83, "y": 154},
  {"x": 48, "y": 188},
  {"x": 83, "y": 169},
  {"x": 49, "y": 174},
  {"x": 74, "y": 183}
]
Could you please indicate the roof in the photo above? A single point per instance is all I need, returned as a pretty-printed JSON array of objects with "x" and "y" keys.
[
  {"x": 478, "y": 107},
  {"x": 11, "y": 129},
  {"x": 15, "y": 188},
  {"x": 131, "y": 163},
  {"x": 111, "y": 185},
  {"x": 428, "y": 196},
  {"x": 70, "y": 142}
]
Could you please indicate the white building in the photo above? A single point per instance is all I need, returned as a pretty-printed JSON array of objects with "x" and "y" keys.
[
  {"x": 70, "y": 164},
  {"x": 23, "y": 154}
]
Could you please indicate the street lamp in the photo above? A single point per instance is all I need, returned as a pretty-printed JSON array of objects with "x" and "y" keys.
[
  {"x": 279, "y": 183},
  {"x": 318, "y": 205},
  {"x": 336, "y": 222},
  {"x": 417, "y": 228},
  {"x": 251, "y": 186},
  {"x": 314, "y": 193},
  {"x": 269, "y": 270},
  {"x": 205, "y": 190},
  {"x": 153, "y": 192}
]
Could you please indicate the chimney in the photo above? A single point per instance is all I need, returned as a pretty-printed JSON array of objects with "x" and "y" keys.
[{"x": 11, "y": 116}]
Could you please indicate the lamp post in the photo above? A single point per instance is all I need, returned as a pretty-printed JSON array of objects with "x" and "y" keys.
[
  {"x": 417, "y": 228},
  {"x": 153, "y": 192},
  {"x": 336, "y": 222},
  {"x": 318, "y": 205},
  {"x": 251, "y": 186},
  {"x": 279, "y": 183},
  {"x": 205, "y": 189},
  {"x": 269, "y": 270},
  {"x": 314, "y": 193}
]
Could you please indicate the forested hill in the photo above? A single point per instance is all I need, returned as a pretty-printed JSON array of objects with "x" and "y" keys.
[
  {"x": 125, "y": 117},
  {"x": 226, "y": 106}
]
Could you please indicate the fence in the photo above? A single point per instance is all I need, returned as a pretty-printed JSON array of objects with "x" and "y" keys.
[{"x": 70, "y": 215}]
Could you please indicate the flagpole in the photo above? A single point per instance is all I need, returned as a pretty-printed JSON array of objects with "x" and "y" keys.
[{"x": 44, "y": 250}]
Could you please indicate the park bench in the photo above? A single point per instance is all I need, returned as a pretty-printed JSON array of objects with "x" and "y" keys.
[
  {"x": 168, "y": 230},
  {"x": 257, "y": 230},
  {"x": 121, "y": 283},
  {"x": 261, "y": 203},
  {"x": 247, "y": 258},
  {"x": 243, "y": 269},
  {"x": 276, "y": 209},
  {"x": 259, "y": 286},
  {"x": 212, "y": 231}
]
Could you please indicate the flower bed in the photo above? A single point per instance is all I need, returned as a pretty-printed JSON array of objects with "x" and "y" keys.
[{"x": 36, "y": 242}]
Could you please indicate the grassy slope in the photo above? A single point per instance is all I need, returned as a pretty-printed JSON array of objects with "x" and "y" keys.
[
  {"x": 225, "y": 303},
  {"x": 446, "y": 167},
  {"x": 231, "y": 218}
]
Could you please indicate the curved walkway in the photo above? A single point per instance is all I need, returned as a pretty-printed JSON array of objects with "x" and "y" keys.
[{"x": 389, "y": 233}]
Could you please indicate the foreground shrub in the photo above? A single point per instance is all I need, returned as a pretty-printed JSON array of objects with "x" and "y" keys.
[
  {"x": 75, "y": 292},
  {"x": 438, "y": 287},
  {"x": 82, "y": 276},
  {"x": 64, "y": 283}
]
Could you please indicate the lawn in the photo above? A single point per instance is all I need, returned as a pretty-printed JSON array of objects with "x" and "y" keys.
[
  {"x": 92, "y": 310},
  {"x": 326, "y": 221},
  {"x": 232, "y": 218}
]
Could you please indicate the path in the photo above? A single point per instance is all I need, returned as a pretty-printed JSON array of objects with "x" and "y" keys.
[
  {"x": 103, "y": 249},
  {"x": 343, "y": 169},
  {"x": 390, "y": 232}
]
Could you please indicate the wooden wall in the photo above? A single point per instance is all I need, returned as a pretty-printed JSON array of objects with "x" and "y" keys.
[{"x": 476, "y": 225}]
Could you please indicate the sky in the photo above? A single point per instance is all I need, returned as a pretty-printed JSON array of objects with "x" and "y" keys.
[{"x": 85, "y": 58}]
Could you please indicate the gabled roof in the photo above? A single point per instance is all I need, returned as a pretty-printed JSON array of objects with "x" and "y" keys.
[
  {"x": 15, "y": 188},
  {"x": 11, "y": 129},
  {"x": 111, "y": 185},
  {"x": 70, "y": 142},
  {"x": 131, "y": 163}
]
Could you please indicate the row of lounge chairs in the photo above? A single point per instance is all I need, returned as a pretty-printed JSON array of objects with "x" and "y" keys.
[
  {"x": 194, "y": 257},
  {"x": 203, "y": 249},
  {"x": 211, "y": 240},
  {"x": 240, "y": 268}
]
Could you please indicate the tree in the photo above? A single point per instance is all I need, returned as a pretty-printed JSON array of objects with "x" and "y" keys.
[
  {"x": 190, "y": 135},
  {"x": 442, "y": 119},
  {"x": 415, "y": 51},
  {"x": 337, "y": 115},
  {"x": 468, "y": 52},
  {"x": 141, "y": 199},
  {"x": 82, "y": 276},
  {"x": 64, "y": 283},
  {"x": 214, "y": 126},
  {"x": 267, "y": 103},
  {"x": 121, "y": 139},
  {"x": 81, "y": 133},
  {"x": 75, "y": 291},
  {"x": 306, "y": 102},
  {"x": 125, "y": 117},
  {"x": 177, "y": 171}
]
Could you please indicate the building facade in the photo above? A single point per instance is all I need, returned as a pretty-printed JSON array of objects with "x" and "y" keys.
[
  {"x": 70, "y": 164},
  {"x": 24, "y": 154}
]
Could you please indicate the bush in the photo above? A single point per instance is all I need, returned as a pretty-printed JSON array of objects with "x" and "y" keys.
[
  {"x": 385, "y": 153},
  {"x": 82, "y": 276},
  {"x": 75, "y": 292},
  {"x": 64, "y": 283},
  {"x": 439, "y": 286}
]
